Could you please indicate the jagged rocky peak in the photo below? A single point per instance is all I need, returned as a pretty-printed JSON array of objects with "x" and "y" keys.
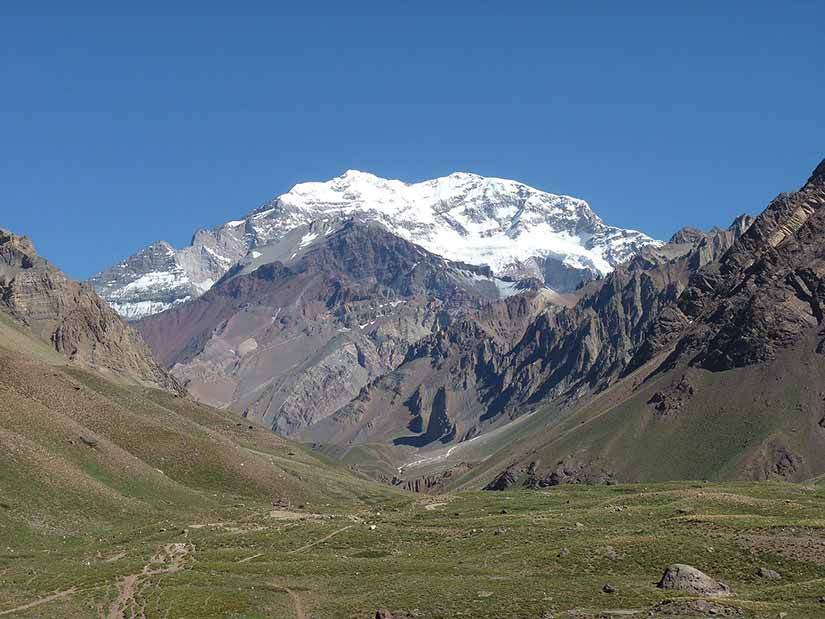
[
  {"x": 70, "y": 317},
  {"x": 511, "y": 227},
  {"x": 741, "y": 224},
  {"x": 15, "y": 250}
]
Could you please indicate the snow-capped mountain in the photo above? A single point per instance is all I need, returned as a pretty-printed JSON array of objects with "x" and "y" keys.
[{"x": 513, "y": 228}]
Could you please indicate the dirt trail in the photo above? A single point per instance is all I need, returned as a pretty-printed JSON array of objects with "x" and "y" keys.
[
  {"x": 319, "y": 541},
  {"x": 297, "y": 605},
  {"x": 49, "y": 598},
  {"x": 169, "y": 560}
]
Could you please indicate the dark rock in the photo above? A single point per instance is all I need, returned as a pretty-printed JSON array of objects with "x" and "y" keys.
[
  {"x": 572, "y": 471},
  {"x": 383, "y": 613},
  {"x": 768, "y": 574},
  {"x": 608, "y": 589},
  {"x": 504, "y": 480},
  {"x": 673, "y": 398}
]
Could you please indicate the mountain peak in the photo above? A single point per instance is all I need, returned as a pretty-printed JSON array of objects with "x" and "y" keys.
[
  {"x": 741, "y": 223},
  {"x": 514, "y": 229},
  {"x": 817, "y": 176},
  {"x": 16, "y": 251},
  {"x": 10, "y": 238}
]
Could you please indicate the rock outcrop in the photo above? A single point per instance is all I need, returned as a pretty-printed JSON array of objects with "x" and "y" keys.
[
  {"x": 688, "y": 579},
  {"x": 71, "y": 317}
]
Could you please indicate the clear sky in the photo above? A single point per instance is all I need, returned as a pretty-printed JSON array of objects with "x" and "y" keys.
[{"x": 119, "y": 127}]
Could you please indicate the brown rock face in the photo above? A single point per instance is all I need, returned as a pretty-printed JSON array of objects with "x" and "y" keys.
[
  {"x": 432, "y": 484},
  {"x": 762, "y": 296},
  {"x": 71, "y": 317}
]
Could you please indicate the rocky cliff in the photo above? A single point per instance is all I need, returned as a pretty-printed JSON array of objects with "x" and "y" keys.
[{"x": 71, "y": 317}]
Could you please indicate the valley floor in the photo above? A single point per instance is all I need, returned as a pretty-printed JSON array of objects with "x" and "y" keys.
[{"x": 476, "y": 555}]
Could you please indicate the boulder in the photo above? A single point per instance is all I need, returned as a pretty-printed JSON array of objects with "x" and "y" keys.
[
  {"x": 679, "y": 577},
  {"x": 764, "y": 572}
]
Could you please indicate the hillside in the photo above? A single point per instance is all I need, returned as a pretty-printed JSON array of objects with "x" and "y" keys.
[
  {"x": 71, "y": 318},
  {"x": 88, "y": 430},
  {"x": 115, "y": 452},
  {"x": 724, "y": 384}
]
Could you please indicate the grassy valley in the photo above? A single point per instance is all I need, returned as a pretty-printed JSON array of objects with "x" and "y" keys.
[{"x": 480, "y": 555}]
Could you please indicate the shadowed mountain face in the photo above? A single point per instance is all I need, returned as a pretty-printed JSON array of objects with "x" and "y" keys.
[
  {"x": 294, "y": 333},
  {"x": 71, "y": 317}
]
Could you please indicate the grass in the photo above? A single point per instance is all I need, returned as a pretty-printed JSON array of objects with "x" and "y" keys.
[
  {"x": 480, "y": 555},
  {"x": 168, "y": 514}
]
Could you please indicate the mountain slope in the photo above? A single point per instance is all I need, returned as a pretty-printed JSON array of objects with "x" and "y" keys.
[
  {"x": 84, "y": 453},
  {"x": 726, "y": 384},
  {"x": 293, "y": 333},
  {"x": 70, "y": 317},
  {"x": 513, "y": 228},
  {"x": 764, "y": 294},
  {"x": 439, "y": 394}
]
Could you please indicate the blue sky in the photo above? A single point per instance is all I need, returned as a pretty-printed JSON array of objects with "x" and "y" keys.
[{"x": 119, "y": 127}]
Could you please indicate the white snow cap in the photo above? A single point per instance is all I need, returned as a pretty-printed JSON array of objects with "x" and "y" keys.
[{"x": 467, "y": 217}]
